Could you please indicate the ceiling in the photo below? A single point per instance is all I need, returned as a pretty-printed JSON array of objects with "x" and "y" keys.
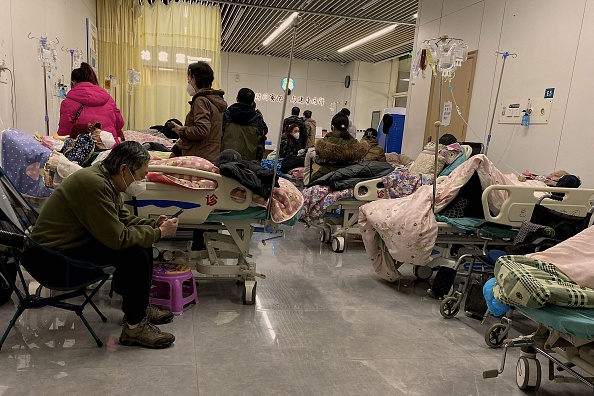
[{"x": 325, "y": 26}]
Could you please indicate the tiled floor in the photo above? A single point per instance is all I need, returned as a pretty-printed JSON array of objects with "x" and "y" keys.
[{"x": 323, "y": 324}]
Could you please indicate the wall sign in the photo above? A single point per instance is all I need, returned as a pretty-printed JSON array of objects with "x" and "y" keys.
[
  {"x": 549, "y": 93},
  {"x": 305, "y": 100}
]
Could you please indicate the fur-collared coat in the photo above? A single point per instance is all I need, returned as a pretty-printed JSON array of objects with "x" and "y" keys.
[{"x": 334, "y": 152}]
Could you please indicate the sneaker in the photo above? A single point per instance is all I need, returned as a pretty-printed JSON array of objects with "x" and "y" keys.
[
  {"x": 156, "y": 316},
  {"x": 146, "y": 335}
]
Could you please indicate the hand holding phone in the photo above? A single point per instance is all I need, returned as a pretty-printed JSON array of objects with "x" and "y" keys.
[{"x": 176, "y": 214}]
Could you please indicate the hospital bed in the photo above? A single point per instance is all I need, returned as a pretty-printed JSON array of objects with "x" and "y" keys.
[
  {"x": 474, "y": 235},
  {"x": 565, "y": 337},
  {"x": 341, "y": 218},
  {"x": 226, "y": 207}
]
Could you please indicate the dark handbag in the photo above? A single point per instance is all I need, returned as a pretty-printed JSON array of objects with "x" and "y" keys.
[{"x": 79, "y": 150}]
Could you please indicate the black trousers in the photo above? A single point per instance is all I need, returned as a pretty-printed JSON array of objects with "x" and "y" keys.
[{"x": 132, "y": 277}]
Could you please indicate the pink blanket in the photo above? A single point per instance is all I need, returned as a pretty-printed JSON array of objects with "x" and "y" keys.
[
  {"x": 574, "y": 257},
  {"x": 407, "y": 226}
]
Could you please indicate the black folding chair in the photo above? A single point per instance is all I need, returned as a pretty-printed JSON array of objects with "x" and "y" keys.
[{"x": 50, "y": 268}]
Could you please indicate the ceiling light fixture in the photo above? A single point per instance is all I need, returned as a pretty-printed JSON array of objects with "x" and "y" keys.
[
  {"x": 283, "y": 26},
  {"x": 369, "y": 38},
  {"x": 415, "y": 16}
]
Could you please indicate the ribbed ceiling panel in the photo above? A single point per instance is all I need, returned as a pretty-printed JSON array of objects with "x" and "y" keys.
[{"x": 246, "y": 25}]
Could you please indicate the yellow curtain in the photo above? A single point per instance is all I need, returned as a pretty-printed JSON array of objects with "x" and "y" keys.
[
  {"x": 169, "y": 38},
  {"x": 115, "y": 30},
  {"x": 166, "y": 38}
]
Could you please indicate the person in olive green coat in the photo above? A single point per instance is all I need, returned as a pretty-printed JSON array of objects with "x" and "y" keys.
[
  {"x": 338, "y": 149},
  {"x": 85, "y": 219}
]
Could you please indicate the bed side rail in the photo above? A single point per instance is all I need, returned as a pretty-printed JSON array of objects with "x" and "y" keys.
[{"x": 519, "y": 203}]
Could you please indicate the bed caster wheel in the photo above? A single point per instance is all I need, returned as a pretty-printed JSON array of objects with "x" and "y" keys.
[
  {"x": 422, "y": 272},
  {"x": 495, "y": 335},
  {"x": 528, "y": 373},
  {"x": 325, "y": 235},
  {"x": 248, "y": 293},
  {"x": 338, "y": 244},
  {"x": 449, "y": 307}
]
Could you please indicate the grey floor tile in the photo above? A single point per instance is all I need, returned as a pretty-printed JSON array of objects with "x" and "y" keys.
[{"x": 323, "y": 324}]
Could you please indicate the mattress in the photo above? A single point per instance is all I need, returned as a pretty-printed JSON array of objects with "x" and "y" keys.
[{"x": 577, "y": 322}]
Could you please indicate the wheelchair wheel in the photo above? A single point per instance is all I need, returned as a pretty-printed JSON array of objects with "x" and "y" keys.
[
  {"x": 449, "y": 307},
  {"x": 495, "y": 335}
]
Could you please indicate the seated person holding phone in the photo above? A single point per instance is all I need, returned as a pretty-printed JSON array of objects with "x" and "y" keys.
[{"x": 85, "y": 219}]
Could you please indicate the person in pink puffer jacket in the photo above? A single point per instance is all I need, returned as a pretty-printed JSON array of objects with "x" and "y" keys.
[{"x": 94, "y": 103}]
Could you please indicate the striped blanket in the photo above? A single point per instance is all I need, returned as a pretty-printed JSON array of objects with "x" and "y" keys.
[{"x": 522, "y": 281}]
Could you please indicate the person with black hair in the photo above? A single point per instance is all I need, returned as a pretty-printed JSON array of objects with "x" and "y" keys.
[
  {"x": 338, "y": 149},
  {"x": 87, "y": 102},
  {"x": 244, "y": 129},
  {"x": 85, "y": 219},
  {"x": 351, "y": 127},
  {"x": 375, "y": 152},
  {"x": 295, "y": 119},
  {"x": 448, "y": 139},
  {"x": 201, "y": 134},
  {"x": 289, "y": 141}
]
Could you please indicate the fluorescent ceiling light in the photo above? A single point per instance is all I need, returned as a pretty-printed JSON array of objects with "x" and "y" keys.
[
  {"x": 234, "y": 23},
  {"x": 287, "y": 22},
  {"x": 323, "y": 33},
  {"x": 369, "y": 38},
  {"x": 166, "y": 69}
]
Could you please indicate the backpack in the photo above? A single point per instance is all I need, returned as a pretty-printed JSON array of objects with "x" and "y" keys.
[{"x": 79, "y": 150}]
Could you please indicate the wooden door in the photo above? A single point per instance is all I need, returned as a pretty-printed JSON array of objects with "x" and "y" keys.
[{"x": 462, "y": 86}]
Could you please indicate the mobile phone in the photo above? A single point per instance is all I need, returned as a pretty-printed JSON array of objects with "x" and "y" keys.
[{"x": 176, "y": 214}]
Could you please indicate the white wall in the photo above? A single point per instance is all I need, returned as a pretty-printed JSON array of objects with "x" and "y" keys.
[
  {"x": 368, "y": 91},
  {"x": 554, "y": 41},
  {"x": 371, "y": 91},
  {"x": 264, "y": 74},
  {"x": 62, "y": 19}
]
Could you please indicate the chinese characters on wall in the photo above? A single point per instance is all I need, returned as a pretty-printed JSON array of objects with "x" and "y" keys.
[{"x": 306, "y": 100}]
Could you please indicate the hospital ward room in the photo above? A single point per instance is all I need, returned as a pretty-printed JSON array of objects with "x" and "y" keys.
[{"x": 296, "y": 197}]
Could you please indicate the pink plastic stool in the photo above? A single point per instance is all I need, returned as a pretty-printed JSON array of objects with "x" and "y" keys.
[{"x": 170, "y": 283}]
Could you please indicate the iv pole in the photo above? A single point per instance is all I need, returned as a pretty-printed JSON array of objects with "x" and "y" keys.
[
  {"x": 45, "y": 44},
  {"x": 504, "y": 56},
  {"x": 286, "y": 95}
]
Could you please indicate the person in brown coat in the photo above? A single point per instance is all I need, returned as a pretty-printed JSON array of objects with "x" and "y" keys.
[
  {"x": 375, "y": 152},
  {"x": 310, "y": 128},
  {"x": 201, "y": 134}
]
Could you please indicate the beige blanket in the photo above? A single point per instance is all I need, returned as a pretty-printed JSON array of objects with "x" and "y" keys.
[
  {"x": 407, "y": 225},
  {"x": 574, "y": 257}
]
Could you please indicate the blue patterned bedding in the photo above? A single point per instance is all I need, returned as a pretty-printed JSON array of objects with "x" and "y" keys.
[{"x": 23, "y": 159}]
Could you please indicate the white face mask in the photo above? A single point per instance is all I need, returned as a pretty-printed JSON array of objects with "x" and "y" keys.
[
  {"x": 190, "y": 89},
  {"x": 296, "y": 135},
  {"x": 135, "y": 188}
]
